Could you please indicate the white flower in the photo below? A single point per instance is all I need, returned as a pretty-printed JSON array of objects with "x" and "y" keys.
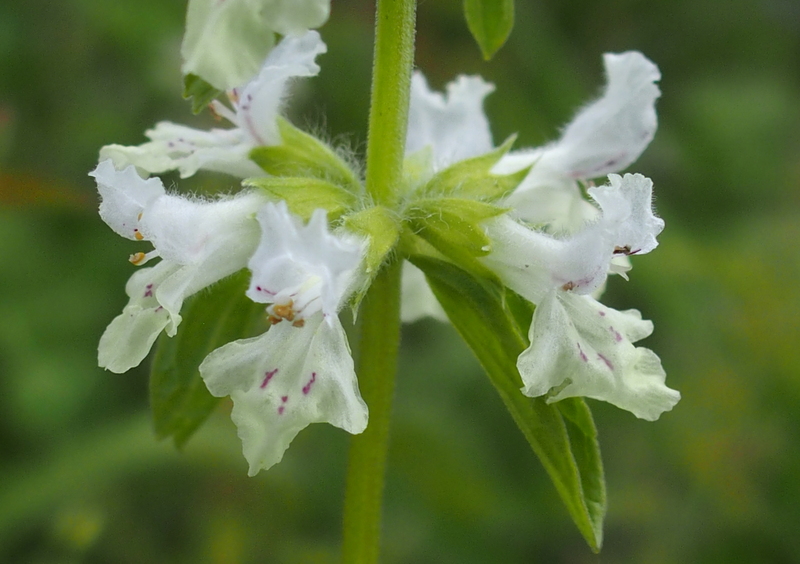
[
  {"x": 199, "y": 242},
  {"x": 578, "y": 346},
  {"x": 454, "y": 127},
  {"x": 305, "y": 268},
  {"x": 256, "y": 106},
  {"x": 300, "y": 371},
  {"x": 225, "y": 42},
  {"x": 418, "y": 300},
  {"x": 606, "y": 136},
  {"x": 532, "y": 262}
]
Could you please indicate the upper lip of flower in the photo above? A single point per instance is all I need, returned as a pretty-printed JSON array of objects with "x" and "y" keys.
[
  {"x": 313, "y": 268},
  {"x": 256, "y": 106}
]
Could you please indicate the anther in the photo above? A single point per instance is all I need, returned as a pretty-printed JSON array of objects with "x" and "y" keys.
[
  {"x": 284, "y": 311},
  {"x": 214, "y": 113},
  {"x": 137, "y": 258}
]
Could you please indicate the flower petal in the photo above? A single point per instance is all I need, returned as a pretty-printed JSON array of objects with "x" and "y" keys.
[
  {"x": 545, "y": 197},
  {"x": 284, "y": 380},
  {"x": 605, "y": 137},
  {"x": 532, "y": 262},
  {"x": 610, "y": 133},
  {"x": 304, "y": 263},
  {"x": 418, "y": 299},
  {"x": 177, "y": 147},
  {"x": 124, "y": 196},
  {"x": 259, "y": 100},
  {"x": 256, "y": 104},
  {"x": 454, "y": 126},
  {"x": 627, "y": 204},
  {"x": 295, "y": 16},
  {"x": 129, "y": 337},
  {"x": 189, "y": 231},
  {"x": 225, "y": 42},
  {"x": 581, "y": 348}
]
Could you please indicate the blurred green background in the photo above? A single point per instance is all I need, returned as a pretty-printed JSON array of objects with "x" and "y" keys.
[{"x": 82, "y": 478}]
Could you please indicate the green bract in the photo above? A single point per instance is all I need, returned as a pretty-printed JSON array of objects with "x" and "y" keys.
[
  {"x": 444, "y": 208},
  {"x": 301, "y": 154},
  {"x": 453, "y": 227},
  {"x": 472, "y": 178},
  {"x": 304, "y": 195},
  {"x": 380, "y": 226}
]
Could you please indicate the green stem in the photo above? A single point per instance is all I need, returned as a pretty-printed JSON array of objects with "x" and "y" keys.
[
  {"x": 377, "y": 364},
  {"x": 380, "y": 310},
  {"x": 391, "y": 84}
]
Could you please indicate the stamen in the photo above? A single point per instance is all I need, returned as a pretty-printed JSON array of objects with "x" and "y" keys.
[
  {"x": 568, "y": 286},
  {"x": 626, "y": 250},
  {"x": 140, "y": 258},
  {"x": 221, "y": 111},
  {"x": 137, "y": 258},
  {"x": 284, "y": 311}
]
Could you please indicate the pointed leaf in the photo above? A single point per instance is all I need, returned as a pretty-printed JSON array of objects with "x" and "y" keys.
[
  {"x": 586, "y": 450},
  {"x": 490, "y": 22},
  {"x": 381, "y": 227},
  {"x": 178, "y": 396},
  {"x": 453, "y": 227},
  {"x": 472, "y": 178},
  {"x": 301, "y": 154},
  {"x": 493, "y": 335},
  {"x": 304, "y": 195}
]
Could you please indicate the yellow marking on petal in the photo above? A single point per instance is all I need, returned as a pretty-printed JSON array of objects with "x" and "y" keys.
[{"x": 137, "y": 235}]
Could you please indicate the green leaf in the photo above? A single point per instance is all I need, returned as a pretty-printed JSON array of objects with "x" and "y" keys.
[
  {"x": 586, "y": 450},
  {"x": 453, "y": 227},
  {"x": 303, "y": 155},
  {"x": 490, "y": 22},
  {"x": 304, "y": 195},
  {"x": 199, "y": 91},
  {"x": 472, "y": 178},
  {"x": 566, "y": 445},
  {"x": 381, "y": 227},
  {"x": 178, "y": 396}
]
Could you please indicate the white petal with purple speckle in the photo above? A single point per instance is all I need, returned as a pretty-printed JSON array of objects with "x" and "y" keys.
[
  {"x": 284, "y": 380},
  {"x": 579, "y": 347}
]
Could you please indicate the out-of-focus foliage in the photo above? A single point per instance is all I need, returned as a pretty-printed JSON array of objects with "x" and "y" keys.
[{"x": 82, "y": 477}]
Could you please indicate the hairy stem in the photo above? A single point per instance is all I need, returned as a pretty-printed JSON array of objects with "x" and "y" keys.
[
  {"x": 380, "y": 310},
  {"x": 391, "y": 83},
  {"x": 380, "y": 339}
]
